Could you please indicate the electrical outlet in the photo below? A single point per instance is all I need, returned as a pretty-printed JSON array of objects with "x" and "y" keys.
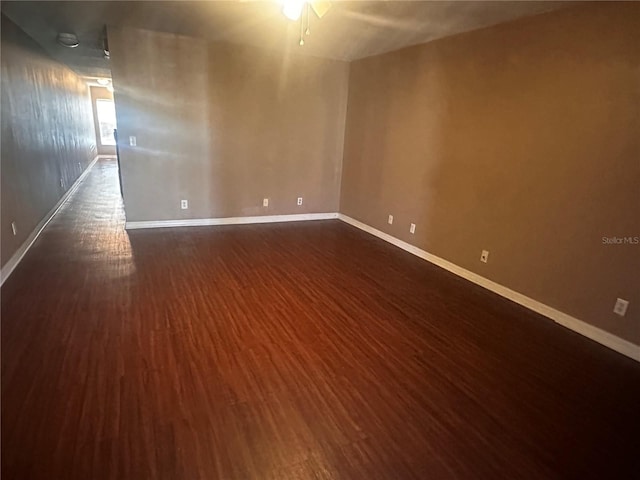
[
  {"x": 620, "y": 307},
  {"x": 184, "y": 204},
  {"x": 299, "y": 201},
  {"x": 133, "y": 141},
  {"x": 265, "y": 202},
  {"x": 412, "y": 228},
  {"x": 14, "y": 228},
  {"x": 61, "y": 183},
  {"x": 390, "y": 221},
  {"x": 484, "y": 256}
]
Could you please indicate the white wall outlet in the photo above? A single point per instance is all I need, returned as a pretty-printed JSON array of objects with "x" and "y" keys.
[
  {"x": 484, "y": 256},
  {"x": 14, "y": 228},
  {"x": 61, "y": 183},
  {"x": 299, "y": 201},
  {"x": 620, "y": 307},
  {"x": 184, "y": 204},
  {"x": 133, "y": 141},
  {"x": 412, "y": 228},
  {"x": 390, "y": 221},
  {"x": 265, "y": 202}
]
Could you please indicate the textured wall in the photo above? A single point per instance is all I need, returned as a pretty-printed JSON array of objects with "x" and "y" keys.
[
  {"x": 47, "y": 134},
  {"x": 522, "y": 139},
  {"x": 224, "y": 126}
]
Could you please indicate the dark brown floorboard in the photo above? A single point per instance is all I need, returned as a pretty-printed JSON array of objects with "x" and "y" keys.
[{"x": 288, "y": 351}]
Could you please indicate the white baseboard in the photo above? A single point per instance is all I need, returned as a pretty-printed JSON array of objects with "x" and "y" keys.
[
  {"x": 594, "y": 333},
  {"x": 202, "y": 222},
  {"x": 15, "y": 259}
]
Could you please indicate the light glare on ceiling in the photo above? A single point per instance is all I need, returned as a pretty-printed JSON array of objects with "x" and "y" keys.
[
  {"x": 292, "y": 9},
  {"x": 103, "y": 81}
]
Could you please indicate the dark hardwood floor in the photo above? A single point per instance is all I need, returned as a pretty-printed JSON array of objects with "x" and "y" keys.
[{"x": 288, "y": 351}]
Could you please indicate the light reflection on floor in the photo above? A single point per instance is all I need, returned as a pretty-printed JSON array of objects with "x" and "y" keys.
[{"x": 95, "y": 213}]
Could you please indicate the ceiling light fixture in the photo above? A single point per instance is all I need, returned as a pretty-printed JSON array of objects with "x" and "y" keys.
[
  {"x": 69, "y": 40},
  {"x": 292, "y": 9}
]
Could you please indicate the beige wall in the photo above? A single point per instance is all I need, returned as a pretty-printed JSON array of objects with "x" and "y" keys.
[
  {"x": 47, "y": 134},
  {"x": 522, "y": 139},
  {"x": 224, "y": 126},
  {"x": 100, "y": 93}
]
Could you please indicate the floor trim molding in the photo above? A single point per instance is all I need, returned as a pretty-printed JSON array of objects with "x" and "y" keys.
[
  {"x": 15, "y": 259},
  {"x": 202, "y": 222},
  {"x": 594, "y": 333}
]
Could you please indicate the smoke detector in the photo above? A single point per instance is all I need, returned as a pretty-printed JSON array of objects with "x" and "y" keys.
[{"x": 69, "y": 40}]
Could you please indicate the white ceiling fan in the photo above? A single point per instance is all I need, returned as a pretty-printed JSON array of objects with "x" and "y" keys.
[{"x": 294, "y": 9}]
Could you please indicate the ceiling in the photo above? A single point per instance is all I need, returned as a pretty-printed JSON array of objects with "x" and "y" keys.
[{"x": 349, "y": 31}]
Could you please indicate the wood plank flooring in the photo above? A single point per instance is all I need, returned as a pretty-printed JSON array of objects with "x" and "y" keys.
[{"x": 288, "y": 351}]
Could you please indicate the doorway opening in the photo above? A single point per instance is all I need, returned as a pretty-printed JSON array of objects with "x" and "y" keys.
[
  {"x": 106, "y": 116},
  {"x": 104, "y": 119}
]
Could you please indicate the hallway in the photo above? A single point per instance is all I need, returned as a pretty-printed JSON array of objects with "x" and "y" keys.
[{"x": 287, "y": 351}]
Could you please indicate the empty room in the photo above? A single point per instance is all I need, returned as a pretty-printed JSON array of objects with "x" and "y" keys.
[{"x": 293, "y": 240}]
